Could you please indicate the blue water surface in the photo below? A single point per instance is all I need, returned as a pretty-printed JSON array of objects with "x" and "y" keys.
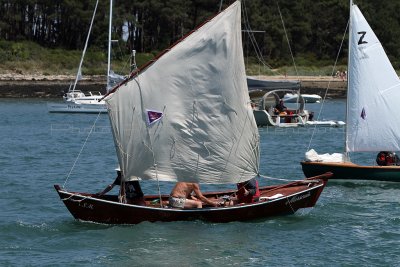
[{"x": 353, "y": 223}]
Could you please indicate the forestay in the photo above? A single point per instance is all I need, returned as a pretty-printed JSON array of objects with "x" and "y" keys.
[
  {"x": 187, "y": 116},
  {"x": 373, "y": 113}
]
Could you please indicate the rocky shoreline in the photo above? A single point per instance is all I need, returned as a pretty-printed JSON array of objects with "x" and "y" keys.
[{"x": 42, "y": 86}]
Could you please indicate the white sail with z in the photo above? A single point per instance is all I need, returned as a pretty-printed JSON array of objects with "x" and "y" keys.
[{"x": 374, "y": 92}]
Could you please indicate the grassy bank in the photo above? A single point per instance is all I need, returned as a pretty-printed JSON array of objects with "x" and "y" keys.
[
  {"x": 31, "y": 58},
  {"x": 28, "y": 58}
]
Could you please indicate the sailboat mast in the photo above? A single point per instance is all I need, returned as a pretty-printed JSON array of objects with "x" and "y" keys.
[
  {"x": 79, "y": 73},
  {"x": 109, "y": 45},
  {"x": 348, "y": 81}
]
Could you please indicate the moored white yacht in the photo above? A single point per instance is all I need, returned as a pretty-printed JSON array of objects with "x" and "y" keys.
[{"x": 76, "y": 101}]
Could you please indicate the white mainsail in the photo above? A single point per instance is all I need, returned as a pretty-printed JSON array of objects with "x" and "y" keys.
[
  {"x": 187, "y": 116},
  {"x": 373, "y": 112}
]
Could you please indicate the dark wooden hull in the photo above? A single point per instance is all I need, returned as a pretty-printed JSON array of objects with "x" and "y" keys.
[
  {"x": 107, "y": 209},
  {"x": 351, "y": 171}
]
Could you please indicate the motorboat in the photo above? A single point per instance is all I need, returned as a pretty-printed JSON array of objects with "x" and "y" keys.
[{"x": 294, "y": 114}]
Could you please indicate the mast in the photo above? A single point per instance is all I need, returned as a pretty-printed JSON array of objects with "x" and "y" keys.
[
  {"x": 79, "y": 73},
  {"x": 109, "y": 46},
  {"x": 133, "y": 61},
  {"x": 348, "y": 81}
]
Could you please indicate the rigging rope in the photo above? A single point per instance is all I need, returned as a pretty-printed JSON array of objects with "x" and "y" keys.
[
  {"x": 79, "y": 74},
  {"x": 80, "y": 152},
  {"x": 329, "y": 83},
  {"x": 252, "y": 37},
  {"x": 278, "y": 179},
  {"x": 126, "y": 65},
  {"x": 254, "y": 41},
  {"x": 220, "y": 5},
  {"x": 287, "y": 39}
]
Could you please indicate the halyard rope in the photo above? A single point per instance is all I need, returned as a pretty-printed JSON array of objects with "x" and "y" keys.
[
  {"x": 329, "y": 83},
  {"x": 273, "y": 178},
  {"x": 80, "y": 152},
  {"x": 287, "y": 39}
]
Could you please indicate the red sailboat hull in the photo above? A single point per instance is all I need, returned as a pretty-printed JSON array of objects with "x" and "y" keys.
[{"x": 275, "y": 200}]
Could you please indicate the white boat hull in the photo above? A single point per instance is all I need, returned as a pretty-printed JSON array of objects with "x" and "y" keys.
[
  {"x": 76, "y": 108},
  {"x": 265, "y": 112},
  {"x": 263, "y": 118},
  {"x": 330, "y": 123},
  {"x": 293, "y": 98}
]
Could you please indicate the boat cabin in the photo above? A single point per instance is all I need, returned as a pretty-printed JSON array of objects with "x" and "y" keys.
[{"x": 267, "y": 112}]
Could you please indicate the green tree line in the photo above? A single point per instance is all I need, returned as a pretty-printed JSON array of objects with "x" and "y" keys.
[{"x": 314, "y": 29}]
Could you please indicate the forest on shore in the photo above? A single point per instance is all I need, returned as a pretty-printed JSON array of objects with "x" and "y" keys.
[{"x": 55, "y": 31}]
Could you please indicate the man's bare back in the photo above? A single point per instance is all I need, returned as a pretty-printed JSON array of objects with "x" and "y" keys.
[{"x": 184, "y": 190}]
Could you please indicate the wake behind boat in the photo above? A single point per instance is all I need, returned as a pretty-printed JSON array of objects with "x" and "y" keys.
[{"x": 187, "y": 117}]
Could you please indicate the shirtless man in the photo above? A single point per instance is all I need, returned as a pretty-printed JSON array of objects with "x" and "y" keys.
[{"x": 181, "y": 197}]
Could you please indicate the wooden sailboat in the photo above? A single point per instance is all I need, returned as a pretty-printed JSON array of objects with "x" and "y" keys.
[
  {"x": 187, "y": 116},
  {"x": 373, "y": 113}
]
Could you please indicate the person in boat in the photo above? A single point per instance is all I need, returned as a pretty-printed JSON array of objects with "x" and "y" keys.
[
  {"x": 133, "y": 191},
  {"x": 181, "y": 196},
  {"x": 248, "y": 191},
  {"x": 311, "y": 116},
  {"x": 280, "y": 107},
  {"x": 386, "y": 158}
]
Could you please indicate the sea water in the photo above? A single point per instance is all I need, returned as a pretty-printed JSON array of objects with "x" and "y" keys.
[{"x": 353, "y": 223}]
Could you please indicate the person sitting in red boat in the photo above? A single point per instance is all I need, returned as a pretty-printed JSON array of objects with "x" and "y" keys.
[
  {"x": 133, "y": 191},
  {"x": 386, "y": 158},
  {"x": 181, "y": 196},
  {"x": 248, "y": 191}
]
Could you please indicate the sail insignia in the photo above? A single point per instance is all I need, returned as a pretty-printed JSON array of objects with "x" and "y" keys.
[
  {"x": 153, "y": 116},
  {"x": 363, "y": 114},
  {"x": 361, "y": 40}
]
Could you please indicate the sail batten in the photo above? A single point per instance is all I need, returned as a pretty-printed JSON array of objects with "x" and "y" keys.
[
  {"x": 202, "y": 128},
  {"x": 373, "y": 94}
]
